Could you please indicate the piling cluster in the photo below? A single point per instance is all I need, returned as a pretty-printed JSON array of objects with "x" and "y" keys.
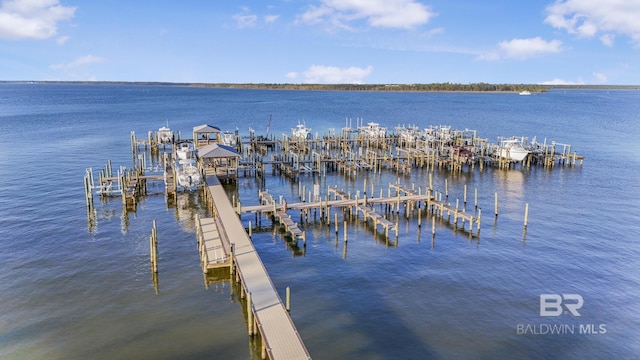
[{"x": 370, "y": 148}]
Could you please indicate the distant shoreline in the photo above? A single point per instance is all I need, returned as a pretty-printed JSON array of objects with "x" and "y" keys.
[{"x": 431, "y": 87}]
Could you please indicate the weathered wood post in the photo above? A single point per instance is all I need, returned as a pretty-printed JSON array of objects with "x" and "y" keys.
[
  {"x": 249, "y": 314},
  {"x": 153, "y": 248},
  {"x": 231, "y": 258},
  {"x": 475, "y": 198},
  {"x": 446, "y": 188},
  {"x": 433, "y": 225},
  {"x": 345, "y": 231},
  {"x": 288, "y": 299}
]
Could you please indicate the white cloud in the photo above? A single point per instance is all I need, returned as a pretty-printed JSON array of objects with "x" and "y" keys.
[
  {"x": 558, "y": 81},
  {"x": 588, "y": 18},
  {"x": 320, "y": 74},
  {"x": 292, "y": 75},
  {"x": 248, "y": 19},
  {"x": 271, "y": 18},
  {"x": 433, "y": 32},
  {"x": 62, "y": 39},
  {"x": 403, "y": 14},
  {"x": 601, "y": 77},
  {"x": 607, "y": 39},
  {"x": 245, "y": 20},
  {"x": 523, "y": 49},
  {"x": 32, "y": 19},
  {"x": 79, "y": 62}
]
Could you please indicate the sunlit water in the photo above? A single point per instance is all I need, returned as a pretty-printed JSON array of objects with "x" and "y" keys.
[{"x": 71, "y": 291}]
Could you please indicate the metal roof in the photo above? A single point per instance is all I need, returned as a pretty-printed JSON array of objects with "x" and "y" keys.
[
  {"x": 217, "y": 151},
  {"x": 204, "y": 128}
]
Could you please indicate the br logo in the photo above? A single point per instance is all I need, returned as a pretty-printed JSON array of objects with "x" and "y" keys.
[{"x": 554, "y": 304}]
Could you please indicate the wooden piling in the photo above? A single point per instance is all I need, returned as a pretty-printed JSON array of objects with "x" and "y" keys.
[
  {"x": 345, "y": 230},
  {"x": 475, "y": 198},
  {"x": 288, "y": 299},
  {"x": 249, "y": 315},
  {"x": 153, "y": 248},
  {"x": 231, "y": 258},
  {"x": 446, "y": 188},
  {"x": 526, "y": 214},
  {"x": 433, "y": 225}
]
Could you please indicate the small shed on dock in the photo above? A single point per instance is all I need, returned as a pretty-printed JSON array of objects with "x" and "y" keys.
[
  {"x": 220, "y": 160},
  {"x": 206, "y": 134}
]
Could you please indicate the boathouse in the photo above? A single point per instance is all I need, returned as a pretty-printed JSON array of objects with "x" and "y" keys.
[
  {"x": 219, "y": 160},
  {"x": 206, "y": 134}
]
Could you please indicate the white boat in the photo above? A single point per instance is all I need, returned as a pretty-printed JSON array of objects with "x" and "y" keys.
[
  {"x": 407, "y": 134},
  {"x": 301, "y": 131},
  {"x": 188, "y": 174},
  {"x": 373, "y": 130},
  {"x": 512, "y": 149},
  {"x": 439, "y": 133},
  {"x": 164, "y": 135},
  {"x": 524, "y": 92},
  {"x": 229, "y": 138},
  {"x": 185, "y": 150}
]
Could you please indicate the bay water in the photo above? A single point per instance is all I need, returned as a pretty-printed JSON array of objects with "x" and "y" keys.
[{"x": 75, "y": 286}]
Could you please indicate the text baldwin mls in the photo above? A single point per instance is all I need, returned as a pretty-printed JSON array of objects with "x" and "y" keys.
[{"x": 554, "y": 305}]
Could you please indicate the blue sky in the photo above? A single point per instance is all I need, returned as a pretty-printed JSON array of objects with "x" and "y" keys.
[{"x": 322, "y": 41}]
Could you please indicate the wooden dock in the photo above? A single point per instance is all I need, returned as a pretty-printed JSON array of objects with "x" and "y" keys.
[
  {"x": 281, "y": 216},
  {"x": 214, "y": 249},
  {"x": 408, "y": 199},
  {"x": 226, "y": 248},
  {"x": 266, "y": 313}
]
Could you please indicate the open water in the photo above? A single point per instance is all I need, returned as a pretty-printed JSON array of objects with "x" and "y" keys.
[{"x": 71, "y": 290}]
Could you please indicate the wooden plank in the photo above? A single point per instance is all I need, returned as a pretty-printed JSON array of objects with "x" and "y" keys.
[
  {"x": 278, "y": 332},
  {"x": 217, "y": 255}
]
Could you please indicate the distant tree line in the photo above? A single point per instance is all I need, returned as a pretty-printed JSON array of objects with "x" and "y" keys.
[
  {"x": 450, "y": 87},
  {"x": 444, "y": 87}
]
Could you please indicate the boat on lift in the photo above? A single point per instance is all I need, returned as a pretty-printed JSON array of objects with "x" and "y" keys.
[
  {"x": 373, "y": 130},
  {"x": 437, "y": 133},
  {"x": 407, "y": 134},
  {"x": 164, "y": 135},
  {"x": 188, "y": 174},
  {"x": 301, "y": 131},
  {"x": 229, "y": 138},
  {"x": 185, "y": 150},
  {"x": 512, "y": 149}
]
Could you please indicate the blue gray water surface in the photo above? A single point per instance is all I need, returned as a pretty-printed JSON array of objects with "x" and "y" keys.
[{"x": 74, "y": 291}]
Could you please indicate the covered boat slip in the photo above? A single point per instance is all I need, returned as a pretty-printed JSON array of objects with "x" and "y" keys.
[{"x": 280, "y": 337}]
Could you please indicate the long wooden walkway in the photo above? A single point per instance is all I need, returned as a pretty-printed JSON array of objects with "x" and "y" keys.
[{"x": 280, "y": 339}]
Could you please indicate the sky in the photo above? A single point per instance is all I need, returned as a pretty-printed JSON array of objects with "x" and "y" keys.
[{"x": 322, "y": 41}]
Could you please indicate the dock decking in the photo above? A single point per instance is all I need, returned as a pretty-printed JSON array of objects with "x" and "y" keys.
[
  {"x": 268, "y": 315},
  {"x": 214, "y": 250}
]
